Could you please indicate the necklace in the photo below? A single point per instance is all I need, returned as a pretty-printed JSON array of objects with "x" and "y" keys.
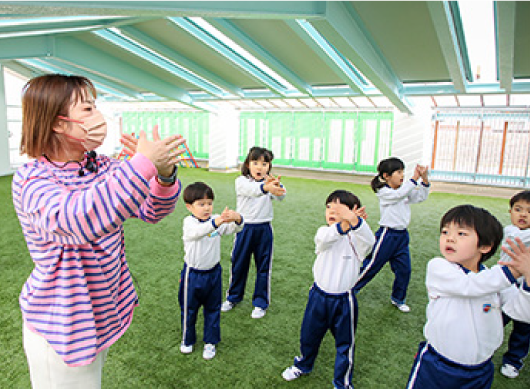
[{"x": 91, "y": 164}]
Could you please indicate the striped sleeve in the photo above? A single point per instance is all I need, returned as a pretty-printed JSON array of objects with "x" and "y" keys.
[
  {"x": 80, "y": 216},
  {"x": 160, "y": 202}
]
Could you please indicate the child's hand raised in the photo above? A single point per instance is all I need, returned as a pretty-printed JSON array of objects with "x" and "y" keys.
[
  {"x": 228, "y": 216},
  {"x": 361, "y": 212},
  {"x": 345, "y": 214},
  {"x": 520, "y": 258},
  {"x": 273, "y": 186}
]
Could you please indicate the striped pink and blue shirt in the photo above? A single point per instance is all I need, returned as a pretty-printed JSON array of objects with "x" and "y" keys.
[{"x": 80, "y": 296}]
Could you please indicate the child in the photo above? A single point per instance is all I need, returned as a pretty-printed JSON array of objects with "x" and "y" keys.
[
  {"x": 72, "y": 204},
  {"x": 201, "y": 277},
  {"x": 464, "y": 320},
  {"x": 519, "y": 342},
  {"x": 392, "y": 237},
  {"x": 340, "y": 248},
  {"x": 255, "y": 190}
]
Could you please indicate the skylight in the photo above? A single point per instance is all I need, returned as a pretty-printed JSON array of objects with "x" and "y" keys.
[
  {"x": 478, "y": 22},
  {"x": 240, "y": 51}
]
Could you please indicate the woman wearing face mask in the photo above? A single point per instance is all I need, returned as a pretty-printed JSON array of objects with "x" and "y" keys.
[{"x": 71, "y": 204}]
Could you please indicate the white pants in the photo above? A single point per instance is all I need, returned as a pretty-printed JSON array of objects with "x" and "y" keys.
[{"x": 48, "y": 371}]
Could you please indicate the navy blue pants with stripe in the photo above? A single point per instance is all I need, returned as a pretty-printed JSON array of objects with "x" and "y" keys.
[
  {"x": 518, "y": 343},
  {"x": 254, "y": 239},
  {"x": 201, "y": 288},
  {"x": 390, "y": 246},
  {"x": 433, "y": 371},
  {"x": 337, "y": 313}
]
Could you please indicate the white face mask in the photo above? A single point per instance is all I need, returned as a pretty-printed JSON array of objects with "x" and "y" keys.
[{"x": 95, "y": 128}]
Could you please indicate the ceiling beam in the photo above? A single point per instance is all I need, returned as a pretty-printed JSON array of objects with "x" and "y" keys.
[
  {"x": 19, "y": 68},
  {"x": 148, "y": 55},
  {"x": 230, "y": 55},
  {"x": 326, "y": 53},
  {"x": 84, "y": 56},
  {"x": 444, "y": 25},
  {"x": 220, "y": 9},
  {"x": 33, "y": 26},
  {"x": 137, "y": 35},
  {"x": 231, "y": 30},
  {"x": 344, "y": 29},
  {"x": 472, "y": 89},
  {"x": 42, "y": 67},
  {"x": 26, "y": 47},
  {"x": 505, "y": 39},
  {"x": 56, "y": 66}
]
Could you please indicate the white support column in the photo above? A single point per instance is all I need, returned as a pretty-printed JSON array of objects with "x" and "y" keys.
[
  {"x": 5, "y": 165},
  {"x": 411, "y": 137},
  {"x": 224, "y": 140}
]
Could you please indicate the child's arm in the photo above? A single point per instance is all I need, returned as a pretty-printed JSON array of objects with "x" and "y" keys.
[
  {"x": 274, "y": 187},
  {"x": 518, "y": 307},
  {"x": 422, "y": 192},
  {"x": 448, "y": 279},
  {"x": 249, "y": 188},
  {"x": 232, "y": 222},
  {"x": 520, "y": 258},
  {"x": 388, "y": 196},
  {"x": 363, "y": 239},
  {"x": 192, "y": 230}
]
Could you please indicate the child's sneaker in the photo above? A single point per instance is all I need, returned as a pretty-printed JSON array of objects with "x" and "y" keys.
[
  {"x": 226, "y": 306},
  {"x": 258, "y": 313},
  {"x": 185, "y": 349},
  {"x": 209, "y": 351},
  {"x": 509, "y": 371},
  {"x": 291, "y": 373},
  {"x": 402, "y": 307}
]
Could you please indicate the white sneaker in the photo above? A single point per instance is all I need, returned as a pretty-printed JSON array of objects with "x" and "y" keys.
[
  {"x": 258, "y": 313},
  {"x": 291, "y": 373},
  {"x": 226, "y": 306},
  {"x": 185, "y": 349},
  {"x": 402, "y": 307},
  {"x": 209, "y": 351},
  {"x": 509, "y": 371}
]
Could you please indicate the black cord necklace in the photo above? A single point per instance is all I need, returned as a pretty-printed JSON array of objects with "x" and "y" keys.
[{"x": 91, "y": 164}]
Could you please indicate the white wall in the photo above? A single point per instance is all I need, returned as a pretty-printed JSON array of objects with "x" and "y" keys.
[
  {"x": 224, "y": 140},
  {"x": 5, "y": 165},
  {"x": 411, "y": 137}
]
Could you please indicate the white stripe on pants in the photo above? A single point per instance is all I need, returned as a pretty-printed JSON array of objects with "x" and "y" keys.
[{"x": 48, "y": 371}]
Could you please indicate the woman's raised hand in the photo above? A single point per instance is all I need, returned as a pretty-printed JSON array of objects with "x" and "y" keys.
[{"x": 164, "y": 153}]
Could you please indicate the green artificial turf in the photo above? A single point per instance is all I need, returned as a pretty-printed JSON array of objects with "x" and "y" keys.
[{"x": 252, "y": 353}]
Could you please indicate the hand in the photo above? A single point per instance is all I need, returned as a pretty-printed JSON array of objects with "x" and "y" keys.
[
  {"x": 163, "y": 153},
  {"x": 417, "y": 173},
  {"x": 233, "y": 216},
  {"x": 424, "y": 173},
  {"x": 130, "y": 143},
  {"x": 520, "y": 255},
  {"x": 273, "y": 185},
  {"x": 228, "y": 216},
  {"x": 347, "y": 215},
  {"x": 361, "y": 212}
]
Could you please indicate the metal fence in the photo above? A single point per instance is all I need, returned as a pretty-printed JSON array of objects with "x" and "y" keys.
[
  {"x": 483, "y": 146},
  {"x": 347, "y": 141},
  {"x": 193, "y": 126}
]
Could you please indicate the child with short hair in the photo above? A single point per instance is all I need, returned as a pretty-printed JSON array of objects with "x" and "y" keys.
[
  {"x": 519, "y": 341},
  {"x": 464, "y": 320},
  {"x": 341, "y": 246},
  {"x": 256, "y": 188},
  {"x": 395, "y": 197},
  {"x": 201, "y": 277}
]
